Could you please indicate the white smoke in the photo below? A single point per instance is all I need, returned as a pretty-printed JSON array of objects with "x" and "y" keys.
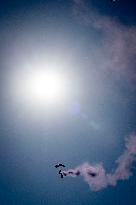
[{"x": 97, "y": 177}]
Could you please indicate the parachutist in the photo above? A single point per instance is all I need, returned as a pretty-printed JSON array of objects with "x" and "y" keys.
[{"x": 59, "y": 165}]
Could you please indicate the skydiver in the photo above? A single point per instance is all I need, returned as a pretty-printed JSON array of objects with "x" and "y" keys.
[
  {"x": 78, "y": 173},
  {"x": 92, "y": 174},
  {"x": 64, "y": 174},
  {"x": 59, "y": 165},
  {"x": 70, "y": 172},
  {"x": 60, "y": 172},
  {"x": 61, "y": 175}
]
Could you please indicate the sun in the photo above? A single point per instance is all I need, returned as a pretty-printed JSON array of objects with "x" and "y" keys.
[
  {"x": 45, "y": 86},
  {"x": 39, "y": 87}
]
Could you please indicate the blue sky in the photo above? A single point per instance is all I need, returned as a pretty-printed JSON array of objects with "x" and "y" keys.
[{"x": 92, "y": 44}]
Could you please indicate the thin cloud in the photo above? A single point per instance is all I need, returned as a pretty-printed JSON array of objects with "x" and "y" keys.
[{"x": 117, "y": 54}]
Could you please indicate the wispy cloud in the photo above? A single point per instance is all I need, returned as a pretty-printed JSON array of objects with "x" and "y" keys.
[{"x": 117, "y": 54}]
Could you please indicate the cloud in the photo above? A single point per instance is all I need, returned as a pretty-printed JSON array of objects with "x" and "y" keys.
[
  {"x": 117, "y": 53},
  {"x": 97, "y": 177}
]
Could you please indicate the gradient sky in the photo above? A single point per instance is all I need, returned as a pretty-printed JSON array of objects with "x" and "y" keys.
[{"x": 93, "y": 44}]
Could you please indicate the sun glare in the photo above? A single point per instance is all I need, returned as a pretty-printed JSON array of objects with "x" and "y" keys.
[{"x": 45, "y": 86}]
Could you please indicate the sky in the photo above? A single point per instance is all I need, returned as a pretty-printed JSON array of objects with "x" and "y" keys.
[{"x": 91, "y": 46}]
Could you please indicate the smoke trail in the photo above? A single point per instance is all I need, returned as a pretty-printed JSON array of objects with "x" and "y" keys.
[{"x": 96, "y": 176}]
